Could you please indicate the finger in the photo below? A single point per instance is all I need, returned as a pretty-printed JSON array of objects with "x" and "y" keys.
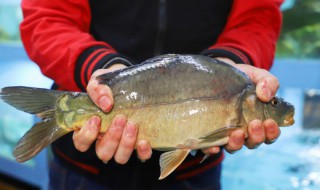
[
  {"x": 108, "y": 144},
  {"x": 272, "y": 131},
  {"x": 83, "y": 138},
  {"x": 100, "y": 94},
  {"x": 256, "y": 134},
  {"x": 211, "y": 150},
  {"x": 266, "y": 83},
  {"x": 144, "y": 150},
  {"x": 266, "y": 88},
  {"x": 236, "y": 141},
  {"x": 127, "y": 143}
]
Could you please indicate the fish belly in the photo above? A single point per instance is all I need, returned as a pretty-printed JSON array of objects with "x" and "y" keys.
[{"x": 180, "y": 125}]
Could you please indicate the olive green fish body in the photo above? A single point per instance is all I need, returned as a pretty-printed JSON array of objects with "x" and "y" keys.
[
  {"x": 180, "y": 103},
  {"x": 177, "y": 125},
  {"x": 177, "y": 98}
]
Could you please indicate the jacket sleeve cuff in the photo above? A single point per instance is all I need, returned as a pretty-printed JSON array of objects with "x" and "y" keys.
[
  {"x": 93, "y": 58},
  {"x": 228, "y": 52}
]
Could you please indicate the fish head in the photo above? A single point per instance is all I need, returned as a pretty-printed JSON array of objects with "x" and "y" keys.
[{"x": 280, "y": 111}]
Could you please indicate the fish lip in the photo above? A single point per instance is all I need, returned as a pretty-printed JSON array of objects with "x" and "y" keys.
[{"x": 289, "y": 120}]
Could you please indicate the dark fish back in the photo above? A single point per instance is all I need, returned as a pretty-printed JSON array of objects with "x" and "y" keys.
[{"x": 169, "y": 79}]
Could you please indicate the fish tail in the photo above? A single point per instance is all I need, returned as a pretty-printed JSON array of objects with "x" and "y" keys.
[
  {"x": 40, "y": 136},
  {"x": 42, "y": 103}
]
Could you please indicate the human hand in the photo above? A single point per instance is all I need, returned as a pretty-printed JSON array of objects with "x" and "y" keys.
[
  {"x": 258, "y": 131},
  {"x": 119, "y": 140}
]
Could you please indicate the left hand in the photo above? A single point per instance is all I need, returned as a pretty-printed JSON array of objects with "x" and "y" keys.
[{"x": 258, "y": 131}]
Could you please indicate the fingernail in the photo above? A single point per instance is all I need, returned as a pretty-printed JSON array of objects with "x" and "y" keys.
[
  {"x": 233, "y": 151},
  {"x": 270, "y": 129},
  {"x": 264, "y": 91},
  {"x": 238, "y": 139},
  {"x": 143, "y": 146},
  {"x": 120, "y": 121},
  {"x": 257, "y": 130},
  {"x": 267, "y": 93},
  {"x": 104, "y": 103},
  {"x": 93, "y": 123},
  {"x": 131, "y": 129},
  {"x": 257, "y": 146},
  {"x": 143, "y": 149},
  {"x": 141, "y": 160},
  {"x": 216, "y": 149}
]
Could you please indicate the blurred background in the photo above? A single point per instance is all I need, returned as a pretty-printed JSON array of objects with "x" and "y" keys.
[{"x": 292, "y": 162}]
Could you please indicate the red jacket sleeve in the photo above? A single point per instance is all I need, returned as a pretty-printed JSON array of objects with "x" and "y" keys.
[
  {"x": 55, "y": 36},
  {"x": 251, "y": 33}
]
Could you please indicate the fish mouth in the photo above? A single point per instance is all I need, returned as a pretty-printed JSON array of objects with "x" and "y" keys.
[{"x": 288, "y": 120}]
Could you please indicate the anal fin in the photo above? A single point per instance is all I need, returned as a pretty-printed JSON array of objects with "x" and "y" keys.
[{"x": 169, "y": 161}]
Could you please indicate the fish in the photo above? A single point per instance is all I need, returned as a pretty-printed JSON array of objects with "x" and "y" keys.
[{"x": 181, "y": 103}]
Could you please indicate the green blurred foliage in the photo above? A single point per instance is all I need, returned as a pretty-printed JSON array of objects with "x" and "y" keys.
[
  {"x": 4, "y": 36},
  {"x": 10, "y": 17},
  {"x": 300, "y": 37}
]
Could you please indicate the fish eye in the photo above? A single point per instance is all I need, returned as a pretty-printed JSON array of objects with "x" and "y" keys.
[{"x": 274, "y": 102}]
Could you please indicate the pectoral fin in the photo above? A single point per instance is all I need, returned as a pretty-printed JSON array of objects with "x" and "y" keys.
[
  {"x": 204, "y": 158},
  {"x": 169, "y": 161},
  {"x": 219, "y": 134}
]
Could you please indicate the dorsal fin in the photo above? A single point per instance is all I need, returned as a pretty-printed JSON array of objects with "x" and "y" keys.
[
  {"x": 148, "y": 64},
  {"x": 105, "y": 78}
]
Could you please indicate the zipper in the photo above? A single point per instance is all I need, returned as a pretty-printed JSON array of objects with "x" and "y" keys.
[{"x": 162, "y": 24}]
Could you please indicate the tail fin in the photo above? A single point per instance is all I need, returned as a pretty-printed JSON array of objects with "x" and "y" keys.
[
  {"x": 36, "y": 139},
  {"x": 40, "y": 102}
]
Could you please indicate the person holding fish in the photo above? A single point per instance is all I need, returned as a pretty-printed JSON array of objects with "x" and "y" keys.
[{"x": 75, "y": 42}]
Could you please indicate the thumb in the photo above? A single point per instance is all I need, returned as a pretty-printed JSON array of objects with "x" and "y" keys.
[
  {"x": 101, "y": 94},
  {"x": 266, "y": 83}
]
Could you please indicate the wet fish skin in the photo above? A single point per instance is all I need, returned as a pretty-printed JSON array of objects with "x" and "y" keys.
[{"x": 180, "y": 102}]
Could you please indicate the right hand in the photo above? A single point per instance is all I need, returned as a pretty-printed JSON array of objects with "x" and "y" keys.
[{"x": 119, "y": 140}]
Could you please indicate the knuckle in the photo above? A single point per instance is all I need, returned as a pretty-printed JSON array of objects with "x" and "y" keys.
[
  {"x": 114, "y": 135},
  {"x": 274, "y": 79},
  {"x": 90, "y": 136},
  {"x": 127, "y": 144}
]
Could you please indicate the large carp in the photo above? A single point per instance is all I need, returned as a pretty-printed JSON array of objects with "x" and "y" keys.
[{"x": 180, "y": 102}]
